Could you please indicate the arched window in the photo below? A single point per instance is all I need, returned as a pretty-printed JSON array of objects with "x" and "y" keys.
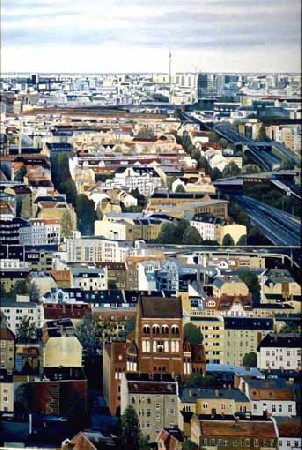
[
  {"x": 146, "y": 329},
  {"x": 155, "y": 329},
  {"x": 174, "y": 329},
  {"x": 165, "y": 329}
]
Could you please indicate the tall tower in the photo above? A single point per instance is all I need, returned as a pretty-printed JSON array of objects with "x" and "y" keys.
[{"x": 170, "y": 75}]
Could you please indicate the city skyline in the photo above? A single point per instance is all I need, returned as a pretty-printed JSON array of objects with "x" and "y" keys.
[{"x": 135, "y": 36}]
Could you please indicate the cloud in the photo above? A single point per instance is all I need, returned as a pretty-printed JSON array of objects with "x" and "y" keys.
[{"x": 193, "y": 26}]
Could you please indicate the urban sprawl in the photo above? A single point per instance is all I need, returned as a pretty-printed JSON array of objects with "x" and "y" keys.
[{"x": 150, "y": 261}]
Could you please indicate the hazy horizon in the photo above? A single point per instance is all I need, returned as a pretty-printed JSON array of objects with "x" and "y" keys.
[{"x": 133, "y": 36}]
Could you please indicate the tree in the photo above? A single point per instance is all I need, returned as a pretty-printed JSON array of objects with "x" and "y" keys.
[
  {"x": 141, "y": 199},
  {"x": 86, "y": 214},
  {"x": 250, "y": 359},
  {"x": 130, "y": 429},
  {"x": 27, "y": 331},
  {"x": 231, "y": 170},
  {"x": 73, "y": 407},
  {"x": 130, "y": 325},
  {"x": 193, "y": 334},
  {"x": 241, "y": 240},
  {"x": 66, "y": 224},
  {"x": 216, "y": 174},
  {"x": 228, "y": 240},
  {"x": 257, "y": 237},
  {"x": 22, "y": 399},
  {"x": 189, "y": 445},
  {"x": 180, "y": 188},
  {"x": 252, "y": 282},
  {"x": 89, "y": 333},
  {"x": 146, "y": 132},
  {"x": 287, "y": 164},
  {"x": 167, "y": 233},
  {"x": 192, "y": 237},
  {"x": 21, "y": 287},
  {"x": 34, "y": 293}
]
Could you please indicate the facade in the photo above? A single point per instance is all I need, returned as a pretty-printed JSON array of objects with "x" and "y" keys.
[
  {"x": 96, "y": 249},
  {"x": 242, "y": 335},
  {"x": 282, "y": 351},
  {"x": 41, "y": 232},
  {"x": 6, "y": 395},
  {"x": 231, "y": 433},
  {"x": 114, "y": 365},
  {"x": 212, "y": 329},
  {"x": 229, "y": 285},
  {"x": 16, "y": 311},
  {"x": 89, "y": 279},
  {"x": 289, "y": 433},
  {"x": 7, "y": 348},
  {"x": 154, "y": 400},
  {"x": 272, "y": 397},
  {"x": 213, "y": 401}
]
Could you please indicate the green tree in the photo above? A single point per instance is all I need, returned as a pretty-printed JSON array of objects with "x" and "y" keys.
[
  {"x": 192, "y": 237},
  {"x": 228, "y": 240},
  {"x": 193, "y": 334},
  {"x": 250, "y": 359},
  {"x": 242, "y": 240},
  {"x": 146, "y": 132},
  {"x": 180, "y": 188},
  {"x": 89, "y": 333},
  {"x": 66, "y": 224},
  {"x": 287, "y": 164},
  {"x": 27, "y": 331},
  {"x": 216, "y": 174},
  {"x": 195, "y": 154},
  {"x": 167, "y": 234},
  {"x": 189, "y": 445},
  {"x": 86, "y": 215},
  {"x": 257, "y": 237},
  {"x": 231, "y": 170},
  {"x": 130, "y": 430},
  {"x": 130, "y": 325},
  {"x": 252, "y": 282},
  {"x": 195, "y": 380},
  {"x": 22, "y": 399},
  {"x": 141, "y": 199},
  {"x": 34, "y": 293}
]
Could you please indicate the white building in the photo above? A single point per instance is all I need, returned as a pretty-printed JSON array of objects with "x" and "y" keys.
[
  {"x": 16, "y": 311},
  {"x": 272, "y": 396},
  {"x": 41, "y": 232},
  {"x": 143, "y": 178},
  {"x": 90, "y": 279},
  {"x": 289, "y": 431},
  {"x": 97, "y": 249},
  {"x": 282, "y": 351}
]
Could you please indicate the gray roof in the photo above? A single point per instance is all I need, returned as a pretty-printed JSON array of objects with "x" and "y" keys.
[{"x": 191, "y": 394}]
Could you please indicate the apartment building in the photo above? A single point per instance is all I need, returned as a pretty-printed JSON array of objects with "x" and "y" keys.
[
  {"x": 154, "y": 398},
  {"x": 215, "y": 228},
  {"x": 16, "y": 311},
  {"x": 7, "y": 347},
  {"x": 242, "y": 335},
  {"x": 212, "y": 329},
  {"x": 282, "y": 351},
  {"x": 6, "y": 393},
  {"x": 41, "y": 232}
]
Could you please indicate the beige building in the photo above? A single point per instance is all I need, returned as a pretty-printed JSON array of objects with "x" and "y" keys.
[
  {"x": 212, "y": 329},
  {"x": 154, "y": 400},
  {"x": 229, "y": 285},
  {"x": 212, "y": 401},
  {"x": 126, "y": 228},
  {"x": 61, "y": 346},
  {"x": 242, "y": 335},
  {"x": 6, "y": 396}
]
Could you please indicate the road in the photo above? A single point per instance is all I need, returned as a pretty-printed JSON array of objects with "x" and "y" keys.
[{"x": 279, "y": 227}]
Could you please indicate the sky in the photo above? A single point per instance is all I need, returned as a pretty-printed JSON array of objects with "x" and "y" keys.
[{"x": 97, "y": 36}]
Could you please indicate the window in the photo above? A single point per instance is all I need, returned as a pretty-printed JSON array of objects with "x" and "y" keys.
[
  {"x": 235, "y": 443},
  {"x": 174, "y": 329},
  {"x": 280, "y": 408},
  {"x": 273, "y": 408},
  {"x": 146, "y": 329},
  {"x": 256, "y": 443},
  {"x": 290, "y": 408}
]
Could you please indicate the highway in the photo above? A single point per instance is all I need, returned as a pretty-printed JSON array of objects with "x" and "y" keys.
[
  {"x": 258, "y": 150},
  {"x": 279, "y": 227}
]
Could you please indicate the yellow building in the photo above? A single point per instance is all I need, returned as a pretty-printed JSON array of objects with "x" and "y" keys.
[
  {"x": 211, "y": 401},
  {"x": 212, "y": 329},
  {"x": 229, "y": 285}
]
